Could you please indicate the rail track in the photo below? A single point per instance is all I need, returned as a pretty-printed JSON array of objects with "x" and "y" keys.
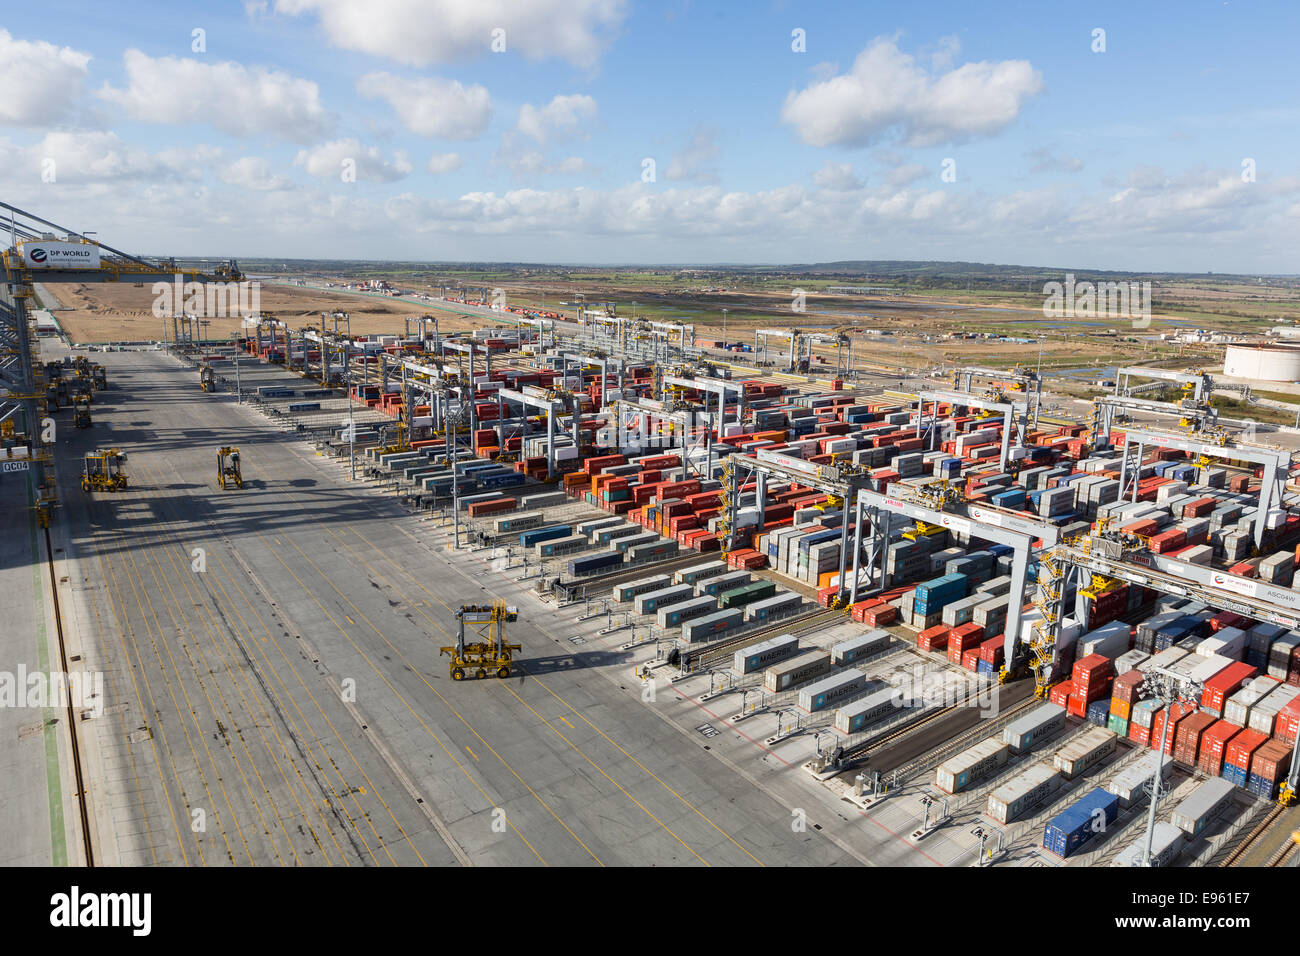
[
  {"x": 1268, "y": 825},
  {"x": 82, "y": 810},
  {"x": 710, "y": 654}
]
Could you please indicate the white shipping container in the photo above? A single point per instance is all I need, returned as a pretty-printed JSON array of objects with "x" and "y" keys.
[
  {"x": 1026, "y": 791},
  {"x": 1084, "y": 752},
  {"x": 959, "y": 772},
  {"x": 1167, "y": 843},
  {"x": 1205, "y": 804},
  {"x": 1130, "y": 784}
]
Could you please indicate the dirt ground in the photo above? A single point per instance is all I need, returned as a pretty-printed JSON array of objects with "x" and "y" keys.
[{"x": 124, "y": 312}]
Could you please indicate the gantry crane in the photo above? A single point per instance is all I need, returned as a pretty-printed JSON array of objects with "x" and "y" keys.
[
  {"x": 491, "y": 654},
  {"x": 103, "y": 471},
  {"x": 229, "y": 472}
]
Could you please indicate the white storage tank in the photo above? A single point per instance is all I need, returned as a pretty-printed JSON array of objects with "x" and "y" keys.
[{"x": 1268, "y": 363}]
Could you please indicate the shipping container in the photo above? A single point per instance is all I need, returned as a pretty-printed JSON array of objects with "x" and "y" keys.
[
  {"x": 1084, "y": 752},
  {"x": 773, "y": 608},
  {"x": 1024, "y": 792},
  {"x": 712, "y": 626},
  {"x": 959, "y": 772},
  {"x": 1167, "y": 842},
  {"x": 651, "y": 601},
  {"x": 759, "y": 656},
  {"x": 559, "y": 546},
  {"x": 860, "y": 714},
  {"x": 1203, "y": 807},
  {"x": 797, "y": 670},
  {"x": 1041, "y": 723},
  {"x": 538, "y": 535},
  {"x": 829, "y": 691},
  {"x": 699, "y": 572},
  {"x": 623, "y": 593},
  {"x": 674, "y": 614},
  {"x": 746, "y": 594},
  {"x": 518, "y": 522},
  {"x": 856, "y": 648},
  {"x": 1073, "y": 828},
  {"x": 1130, "y": 784},
  {"x": 594, "y": 564}
]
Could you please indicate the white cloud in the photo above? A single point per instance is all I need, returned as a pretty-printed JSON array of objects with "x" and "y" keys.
[
  {"x": 330, "y": 160},
  {"x": 253, "y": 172},
  {"x": 86, "y": 157},
  {"x": 887, "y": 92},
  {"x": 1045, "y": 161},
  {"x": 906, "y": 174},
  {"x": 444, "y": 163},
  {"x": 419, "y": 32},
  {"x": 692, "y": 163},
  {"x": 235, "y": 99},
  {"x": 561, "y": 119},
  {"x": 432, "y": 106},
  {"x": 39, "y": 82},
  {"x": 533, "y": 163},
  {"x": 837, "y": 177}
]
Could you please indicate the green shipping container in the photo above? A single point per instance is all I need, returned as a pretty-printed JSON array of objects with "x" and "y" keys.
[
  {"x": 747, "y": 594},
  {"x": 1117, "y": 725}
]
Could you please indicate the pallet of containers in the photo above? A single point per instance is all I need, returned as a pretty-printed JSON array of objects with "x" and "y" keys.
[
  {"x": 1167, "y": 842},
  {"x": 651, "y": 601},
  {"x": 797, "y": 670},
  {"x": 829, "y": 691},
  {"x": 674, "y": 614},
  {"x": 1079, "y": 823},
  {"x": 1040, "y": 724},
  {"x": 1205, "y": 804},
  {"x": 1024, "y": 792},
  {"x": 856, "y": 716},
  {"x": 773, "y": 608},
  {"x": 856, "y": 648},
  {"x": 712, "y": 626},
  {"x": 957, "y": 773},
  {"x": 764, "y": 654},
  {"x": 1084, "y": 752},
  {"x": 1131, "y": 784}
]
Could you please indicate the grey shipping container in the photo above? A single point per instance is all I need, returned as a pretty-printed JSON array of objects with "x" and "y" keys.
[
  {"x": 797, "y": 670},
  {"x": 764, "y": 654}
]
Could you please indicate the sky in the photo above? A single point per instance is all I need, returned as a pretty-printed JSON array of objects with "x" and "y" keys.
[{"x": 1159, "y": 136}]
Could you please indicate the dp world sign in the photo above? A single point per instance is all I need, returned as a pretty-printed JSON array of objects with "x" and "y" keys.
[{"x": 60, "y": 255}]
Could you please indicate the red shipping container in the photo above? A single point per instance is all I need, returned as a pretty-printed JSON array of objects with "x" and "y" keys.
[
  {"x": 1126, "y": 686},
  {"x": 933, "y": 638},
  {"x": 1213, "y": 744},
  {"x": 971, "y": 659},
  {"x": 1242, "y": 747},
  {"x": 1077, "y": 706},
  {"x": 1288, "y": 722},
  {"x": 1139, "y": 735},
  {"x": 1180, "y": 712},
  {"x": 1272, "y": 761},
  {"x": 993, "y": 650},
  {"x": 1190, "y": 730},
  {"x": 1061, "y": 692},
  {"x": 1224, "y": 684},
  {"x": 881, "y": 616},
  {"x": 1090, "y": 668}
]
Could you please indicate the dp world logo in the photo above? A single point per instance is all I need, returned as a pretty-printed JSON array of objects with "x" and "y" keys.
[{"x": 38, "y": 255}]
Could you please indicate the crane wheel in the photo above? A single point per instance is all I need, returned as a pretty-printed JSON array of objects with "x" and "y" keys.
[
  {"x": 457, "y": 674},
  {"x": 503, "y": 672},
  {"x": 480, "y": 673}
]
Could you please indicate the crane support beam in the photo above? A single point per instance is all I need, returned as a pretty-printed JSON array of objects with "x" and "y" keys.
[{"x": 1013, "y": 416}]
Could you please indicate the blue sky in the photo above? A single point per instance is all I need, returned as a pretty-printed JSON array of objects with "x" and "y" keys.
[{"x": 1057, "y": 155}]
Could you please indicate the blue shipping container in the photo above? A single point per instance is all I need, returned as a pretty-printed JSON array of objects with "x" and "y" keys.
[{"x": 1075, "y": 826}]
